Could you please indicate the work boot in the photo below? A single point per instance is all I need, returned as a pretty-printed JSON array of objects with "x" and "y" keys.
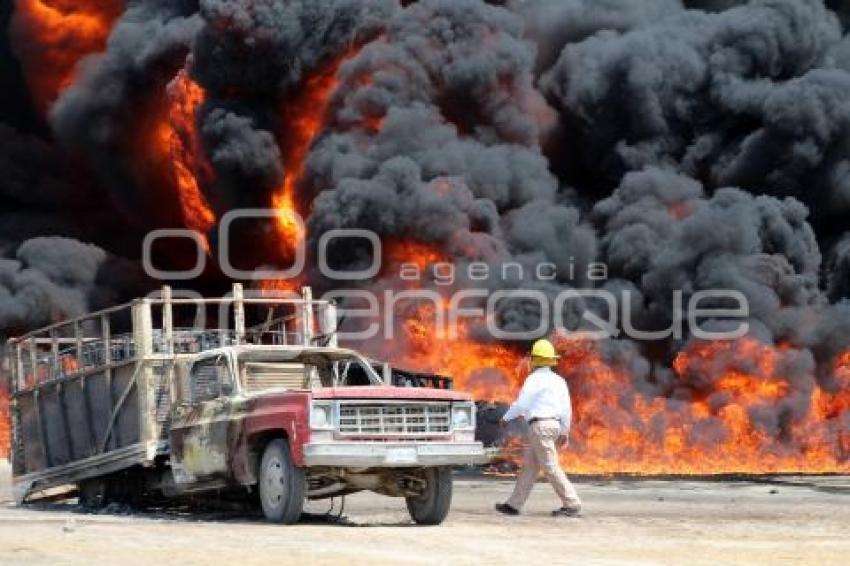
[
  {"x": 570, "y": 511},
  {"x": 506, "y": 509}
]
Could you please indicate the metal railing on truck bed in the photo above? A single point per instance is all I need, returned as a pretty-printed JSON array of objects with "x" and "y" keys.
[{"x": 87, "y": 401}]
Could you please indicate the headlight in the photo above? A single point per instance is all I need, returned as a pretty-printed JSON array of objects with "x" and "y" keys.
[
  {"x": 463, "y": 416},
  {"x": 321, "y": 416}
]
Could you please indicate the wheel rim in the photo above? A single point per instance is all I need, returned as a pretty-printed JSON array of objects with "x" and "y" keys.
[
  {"x": 427, "y": 491},
  {"x": 273, "y": 482}
]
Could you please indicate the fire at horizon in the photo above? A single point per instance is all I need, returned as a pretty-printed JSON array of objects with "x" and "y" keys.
[{"x": 730, "y": 409}]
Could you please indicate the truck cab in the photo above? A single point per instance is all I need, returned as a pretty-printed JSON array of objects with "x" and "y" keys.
[{"x": 300, "y": 423}]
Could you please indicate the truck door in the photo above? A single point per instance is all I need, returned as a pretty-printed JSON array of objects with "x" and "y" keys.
[{"x": 200, "y": 423}]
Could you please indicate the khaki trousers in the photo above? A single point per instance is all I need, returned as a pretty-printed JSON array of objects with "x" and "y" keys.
[{"x": 541, "y": 453}]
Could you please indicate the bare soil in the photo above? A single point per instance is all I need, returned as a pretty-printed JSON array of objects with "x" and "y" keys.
[{"x": 789, "y": 520}]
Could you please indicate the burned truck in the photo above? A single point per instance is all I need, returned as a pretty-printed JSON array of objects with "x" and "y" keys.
[{"x": 263, "y": 405}]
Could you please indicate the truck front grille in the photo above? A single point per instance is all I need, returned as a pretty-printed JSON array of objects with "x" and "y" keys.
[{"x": 397, "y": 419}]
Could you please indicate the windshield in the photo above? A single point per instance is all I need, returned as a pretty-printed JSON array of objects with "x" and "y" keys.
[{"x": 259, "y": 371}]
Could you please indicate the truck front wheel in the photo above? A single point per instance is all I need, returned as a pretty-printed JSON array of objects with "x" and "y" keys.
[
  {"x": 432, "y": 506},
  {"x": 281, "y": 484}
]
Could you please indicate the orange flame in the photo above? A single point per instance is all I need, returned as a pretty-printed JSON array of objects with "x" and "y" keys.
[
  {"x": 400, "y": 253},
  {"x": 290, "y": 231},
  {"x": 679, "y": 210},
  {"x": 280, "y": 285},
  {"x": 489, "y": 371},
  {"x": 56, "y": 35},
  {"x": 710, "y": 420},
  {"x": 303, "y": 117},
  {"x": 619, "y": 430},
  {"x": 171, "y": 157},
  {"x": 5, "y": 433},
  {"x": 180, "y": 137},
  {"x": 69, "y": 364}
]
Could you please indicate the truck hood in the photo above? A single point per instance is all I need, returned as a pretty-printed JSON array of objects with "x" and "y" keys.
[{"x": 389, "y": 392}]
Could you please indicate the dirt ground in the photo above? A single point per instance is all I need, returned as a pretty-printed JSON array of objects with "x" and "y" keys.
[{"x": 770, "y": 521}]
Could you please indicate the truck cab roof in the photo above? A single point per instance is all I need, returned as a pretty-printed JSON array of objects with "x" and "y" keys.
[{"x": 297, "y": 353}]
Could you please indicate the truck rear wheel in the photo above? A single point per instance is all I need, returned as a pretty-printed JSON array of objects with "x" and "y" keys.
[
  {"x": 125, "y": 488},
  {"x": 432, "y": 507},
  {"x": 93, "y": 494},
  {"x": 281, "y": 484}
]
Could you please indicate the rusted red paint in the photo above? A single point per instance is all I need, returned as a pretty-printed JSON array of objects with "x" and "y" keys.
[{"x": 286, "y": 412}]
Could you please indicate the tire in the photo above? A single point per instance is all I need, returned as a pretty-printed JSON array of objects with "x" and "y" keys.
[
  {"x": 123, "y": 488},
  {"x": 126, "y": 488},
  {"x": 281, "y": 484},
  {"x": 93, "y": 494},
  {"x": 432, "y": 507}
]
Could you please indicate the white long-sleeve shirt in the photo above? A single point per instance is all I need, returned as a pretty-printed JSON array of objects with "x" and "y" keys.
[{"x": 544, "y": 395}]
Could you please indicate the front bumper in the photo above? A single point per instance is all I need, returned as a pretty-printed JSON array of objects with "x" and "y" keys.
[{"x": 395, "y": 454}]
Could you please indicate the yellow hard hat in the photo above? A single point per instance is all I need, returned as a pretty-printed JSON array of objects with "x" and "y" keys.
[{"x": 544, "y": 350}]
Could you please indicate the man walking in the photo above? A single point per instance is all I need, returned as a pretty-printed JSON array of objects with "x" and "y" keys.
[{"x": 544, "y": 401}]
